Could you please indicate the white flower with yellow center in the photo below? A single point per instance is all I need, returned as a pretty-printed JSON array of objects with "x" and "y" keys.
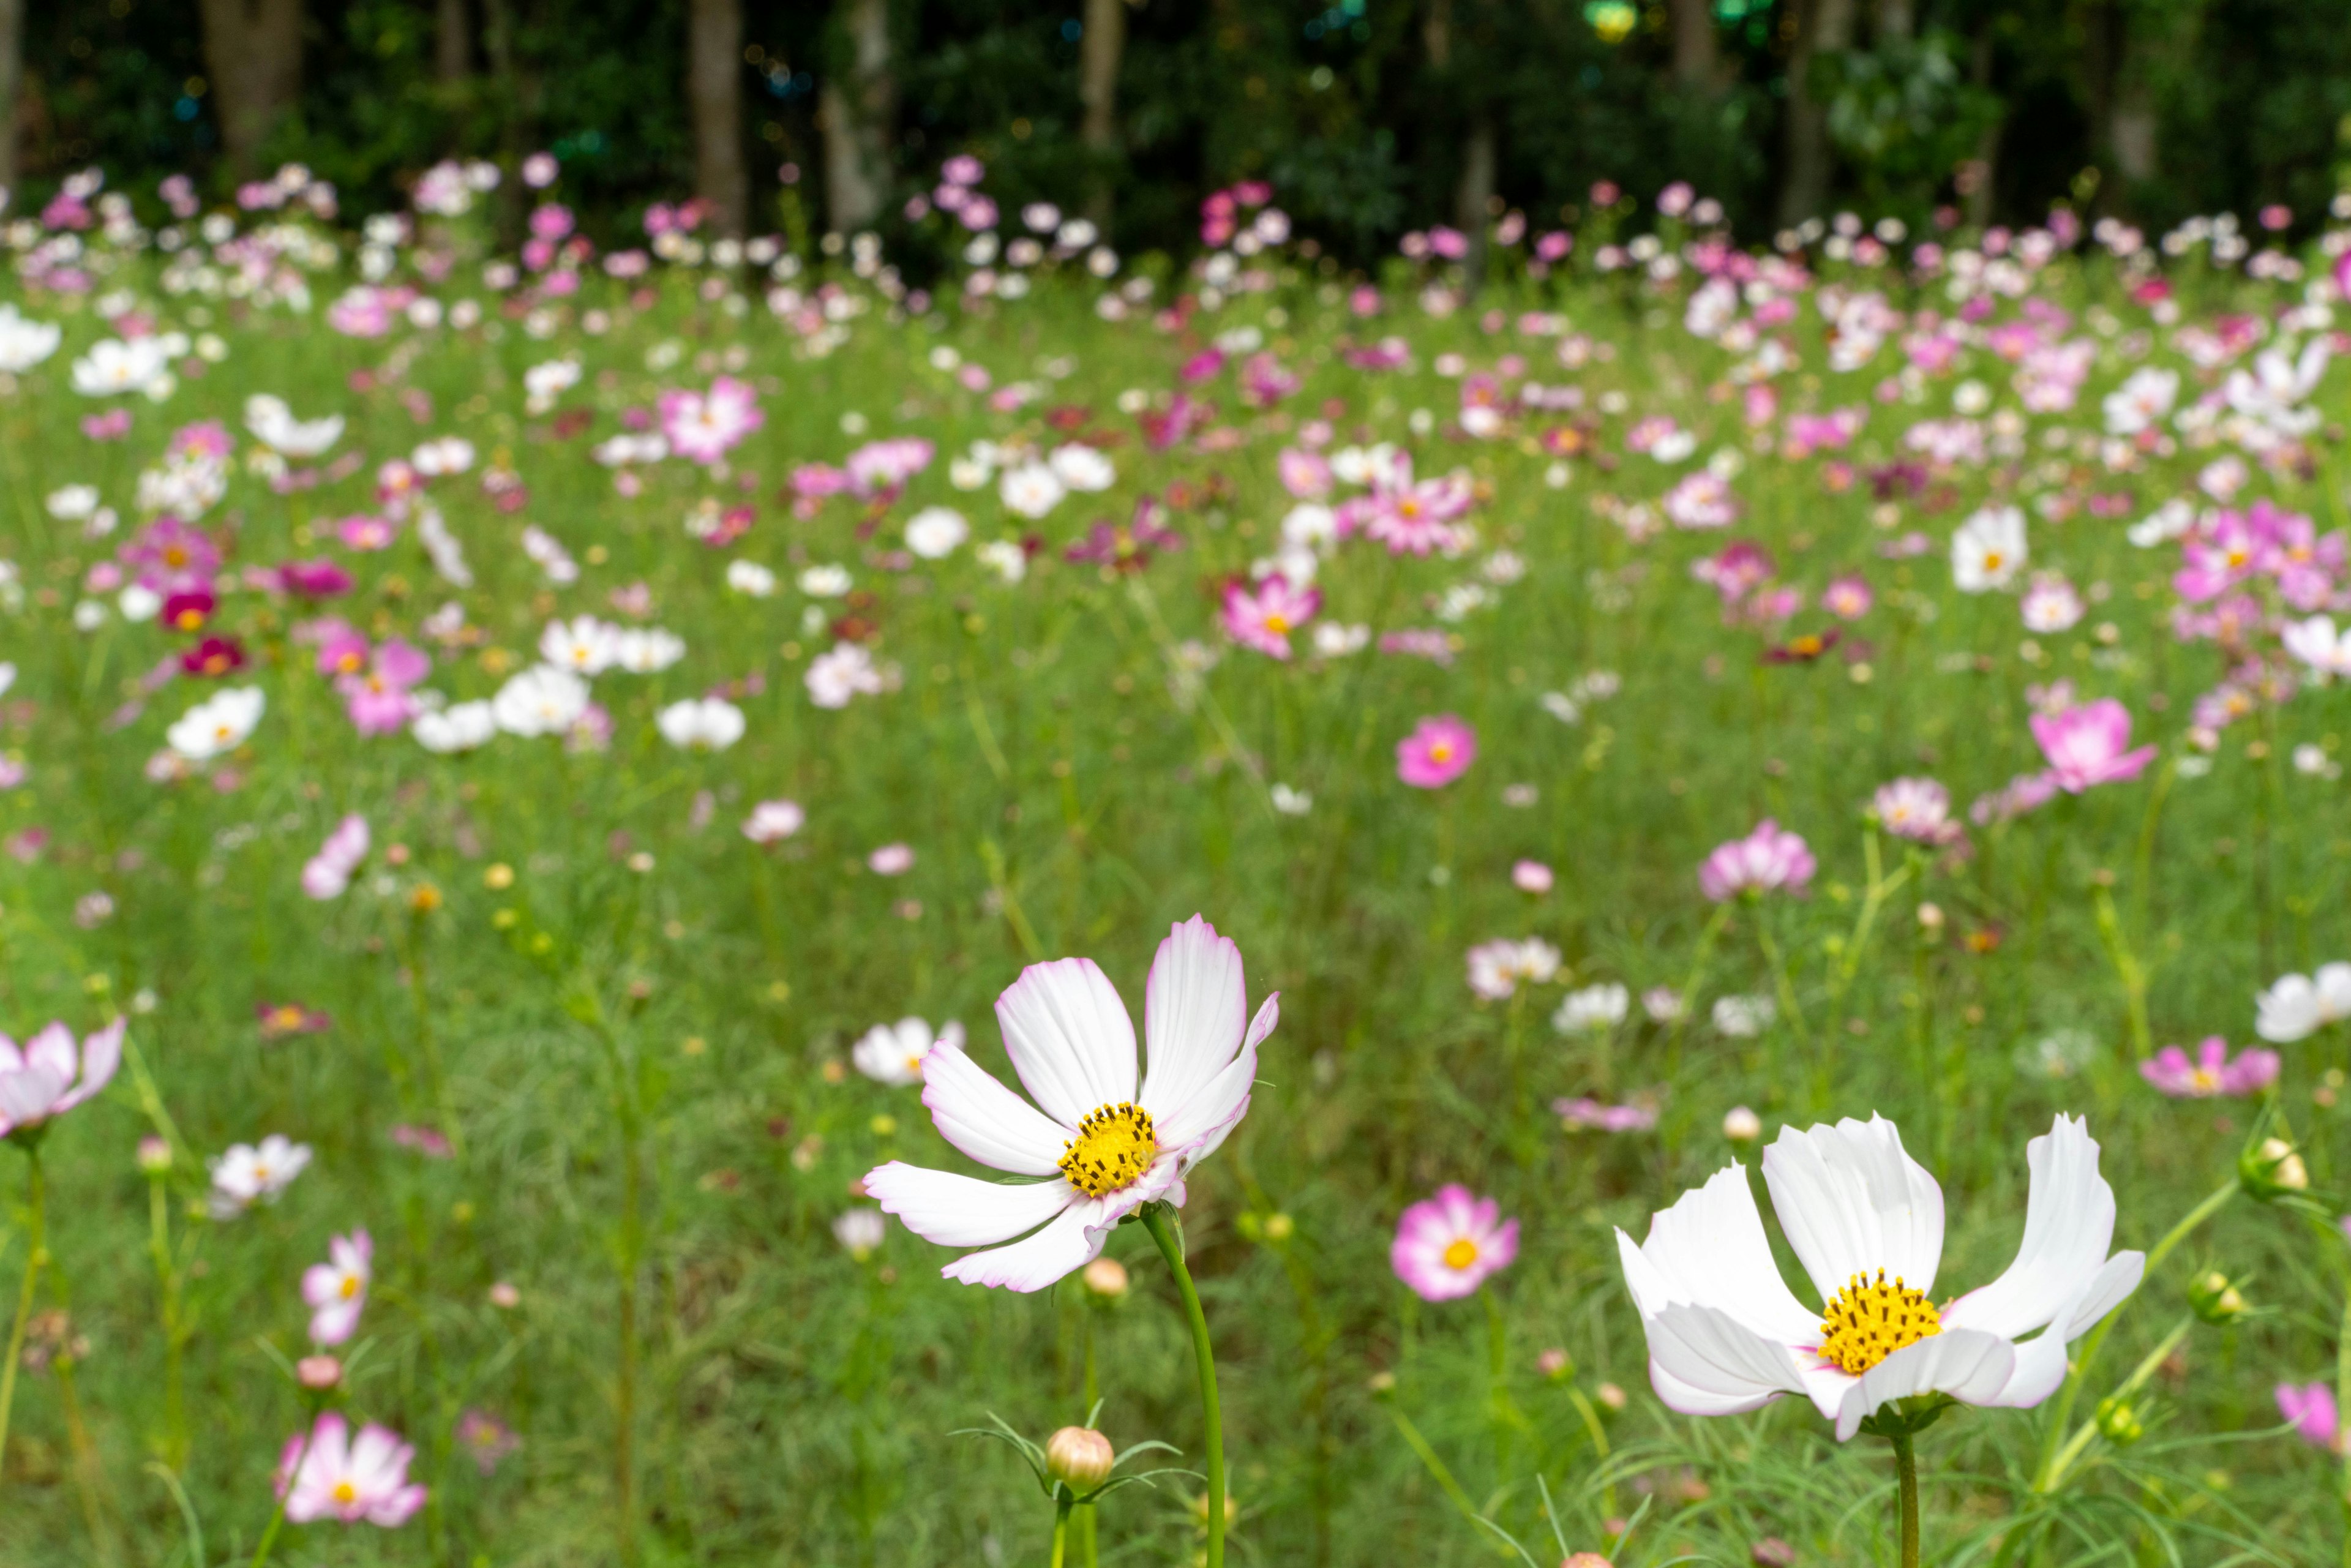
[
  {"x": 1106, "y": 1147},
  {"x": 1866, "y": 1221}
]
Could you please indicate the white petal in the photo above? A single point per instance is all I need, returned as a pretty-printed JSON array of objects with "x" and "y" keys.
[
  {"x": 986, "y": 1119},
  {"x": 2109, "y": 1289},
  {"x": 29, "y": 1095},
  {"x": 1068, "y": 1243},
  {"x": 964, "y": 1211},
  {"x": 1068, "y": 1037},
  {"x": 2069, "y": 1220},
  {"x": 1969, "y": 1364},
  {"x": 1195, "y": 1007},
  {"x": 1852, "y": 1202},
  {"x": 1703, "y": 1362},
  {"x": 1709, "y": 1249},
  {"x": 53, "y": 1049}
]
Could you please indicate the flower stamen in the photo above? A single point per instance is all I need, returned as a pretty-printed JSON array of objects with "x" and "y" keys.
[
  {"x": 1114, "y": 1147},
  {"x": 1868, "y": 1320}
]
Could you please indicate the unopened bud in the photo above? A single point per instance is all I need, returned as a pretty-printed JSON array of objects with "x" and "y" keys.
[
  {"x": 1611, "y": 1397},
  {"x": 1279, "y": 1228},
  {"x": 2214, "y": 1299},
  {"x": 1585, "y": 1560},
  {"x": 1105, "y": 1280},
  {"x": 318, "y": 1371},
  {"x": 154, "y": 1155},
  {"x": 1930, "y": 919},
  {"x": 1079, "y": 1457},
  {"x": 505, "y": 1295},
  {"x": 2119, "y": 1422},
  {"x": 1380, "y": 1384},
  {"x": 1741, "y": 1126},
  {"x": 1555, "y": 1364},
  {"x": 2272, "y": 1169}
]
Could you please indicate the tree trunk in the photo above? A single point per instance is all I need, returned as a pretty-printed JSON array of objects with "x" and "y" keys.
[
  {"x": 1103, "y": 47},
  {"x": 1696, "y": 52},
  {"x": 12, "y": 80},
  {"x": 1804, "y": 190},
  {"x": 1896, "y": 20},
  {"x": 453, "y": 42},
  {"x": 253, "y": 49},
  {"x": 860, "y": 111},
  {"x": 714, "y": 86},
  {"x": 1977, "y": 187},
  {"x": 1473, "y": 195}
]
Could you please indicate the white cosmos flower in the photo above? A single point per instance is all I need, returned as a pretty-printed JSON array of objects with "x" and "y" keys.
[
  {"x": 462, "y": 727},
  {"x": 72, "y": 503},
  {"x": 701, "y": 724},
  {"x": 113, "y": 366},
  {"x": 892, "y": 1053},
  {"x": 1080, "y": 468},
  {"x": 751, "y": 578},
  {"x": 825, "y": 581},
  {"x": 935, "y": 532},
  {"x": 1989, "y": 550},
  {"x": 273, "y": 423},
  {"x": 248, "y": 1173},
  {"x": 643, "y": 651},
  {"x": 583, "y": 645},
  {"x": 23, "y": 342},
  {"x": 1105, "y": 1147},
  {"x": 1866, "y": 1221},
  {"x": 220, "y": 723},
  {"x": 1594, "y": 1010},
  {"x": 542, "y": 700},
  {"x": 2299, "y": 1006},
  {"x": 1031, "y": 490}
]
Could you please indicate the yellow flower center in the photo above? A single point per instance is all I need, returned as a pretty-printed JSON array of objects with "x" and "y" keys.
[
  {"x": 1441, "y": 752},
  {"x": 350, "y": 1286},
  {"x": 1114, "y": 1145},
  {"x": 1993, "y": 559},
  {"x": 1868, "y": 1322},
  {"x": 346, "y": 1494},
  {"x": 1278, "y": 624},
  {"x": 1461, "y": 1254},
  {"x": 2205, "y": 1077}
]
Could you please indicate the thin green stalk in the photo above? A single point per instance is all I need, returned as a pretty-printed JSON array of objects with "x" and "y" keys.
[
  {"x": 1155, "y": 1220},
  {"x": 1599, "y": 1434},
  {"x": 167, "y": 1286},
  {"x": 1705, "y": 950},
  {"x": 2146, "y": 1369},
  {"x": 1089, "y": 1545},
  {"x": 1905, "y": 1469},
  {"x": 1060, "y": 1525},
  {"x": 37, "y": 1255},
  {"x": 1498, "y": 1355},
  {"x": 2133, "y": 973},
  {"x": 277, "y": 1514},
  {"x": 2046, "y": 1477},
  {"x": 1436, "y": 1466},
  {"x": 2343, "y": 1402}
]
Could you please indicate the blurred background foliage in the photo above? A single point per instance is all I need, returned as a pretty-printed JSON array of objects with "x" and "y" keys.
[{"x": 1370, "y": 116}]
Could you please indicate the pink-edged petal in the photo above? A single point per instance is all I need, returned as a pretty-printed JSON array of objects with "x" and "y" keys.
[
  {"x": 1703, "y": 1362},
  {"x": 53, "y": 1049},
  {"x": 398, "y": 1507},
  {"x": 2109, "y": 1289},
  {"x": 29, "y": 1094},
  {"x": 337, "y": 1320},
  {"x": 11, "y": 1058},
  {"x": 1853, "y": 1202},
  {"x": 2069, "y": 1219},
  {"x": 1068, "y": 1244},
  {"x": 1709, "y": 1249},
  {"x": 986, "y": 1119},
  {"x": 1969, "y": 1364},
  {"x": 102, "y": 1054},
  {"x": 1212, "y": 1107},
  {"x": 964, "y": 1211},
  {"x": 321, "y": 1284},
  {"x": 1194, "y": 1010},
  {"x": 1068, "y": 1037}
]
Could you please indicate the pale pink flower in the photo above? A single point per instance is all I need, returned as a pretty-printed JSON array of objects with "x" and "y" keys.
[
  {"x": 1918, "y": 810},
  {"x": 336, "y": 1289},
  {"x": 2211, "y": 1073},
  {"x": 51, "y": 1076},
  {"x": 1447, "y": 1246},
  {"x": 773, "y": 820},
  {"x": 891, "y": 860},
  {"x": 1768, "y": 860},
  {"x": 704, "y": 427},
  {"x": 1531, "y": 877},
  {"x": 332, "y": 1475},
  {"x": 2086, "y": 746},
  {"x": 1591, "y": 1113},
  {"x": 1497, "y": 967},
  {"x": 329, "y": 872}
]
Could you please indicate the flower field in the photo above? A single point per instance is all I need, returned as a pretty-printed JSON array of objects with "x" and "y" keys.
[{"x": 1686, "y": 907}]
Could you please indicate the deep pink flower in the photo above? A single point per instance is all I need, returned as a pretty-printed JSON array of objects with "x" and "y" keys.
[
  {"x": 313, "y": 580},
  {"x": 171, "y": 556},
  {"x": 378, "y": 700},
  {"x": 1768, "y": 860},
  {"x": 1437, "y": 752},
  {"x": 2211, "y": 1073},
  {"x": 2086, "y": 746},
  {"x": 1447, "y": 1246}
]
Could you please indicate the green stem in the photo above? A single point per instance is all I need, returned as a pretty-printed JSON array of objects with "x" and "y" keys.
[
  {"x": 1706, "y": 938},
  {"x": 2134, "y": 974},
  {"x": 1089, "y": 1545},
  {"x": 1905, "y": 1469},
  {"x": 278, "y": 1515},
  {"x": 1436, "y": 1466},
  {"x": 2051, "y": 1471},
  {"x": 1155, "y": 1220},
  {"x": 2146, "y": 1369},
  {"x": 1060, "y": 1526},
  {"x": 1498, "y": 1352},
  {"x": 35, "y": 1256},
  {"x": 2343, "y": 1402},
  {"x": 1599, "y": 1434}
]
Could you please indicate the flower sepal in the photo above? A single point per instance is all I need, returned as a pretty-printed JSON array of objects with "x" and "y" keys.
[
  {"x": 1906, "y": 1418},
  {"x": 1043, "y": 1466}
]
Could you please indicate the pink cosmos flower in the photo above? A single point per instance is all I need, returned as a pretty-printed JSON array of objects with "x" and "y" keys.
[
  {"x": 48, "y": 1078},
  {"x": 1447, "y": 1246},
  {"x": 1768, "y": 860},
  {"x": 367, "y": 533},
  {"x": 2211, "y": 1073},
  {"x": 2310, "y": 1410},
  {"x": 1305, "y": 474},
  {"x": 892, "y": 860},
  {"x": 1599, "y": 1118},
  {"x": 1918, "y": 810},
  {"x": 485, "y": 1439},
  {"x": 879, "y": 469},
  {"x": 1414, "y": 517},
  {"x": 1848, "y": 598},
  {"x": 378, "y": 701},
  {"x": 1530, "y": 876},
  {"x": 329, "y": 872},
  {"x": 332, "y": 1474},
  {"x": 1437, "y": 752},
  {"x": 171, "y": 556},
  {"x": 773, "y": 820},
  {"x": 2086, "y": 746},
  {"x": 1261, "y": 616},
  {"x": 336, "y": 1289},
  {"x": 704, "y": 427}
]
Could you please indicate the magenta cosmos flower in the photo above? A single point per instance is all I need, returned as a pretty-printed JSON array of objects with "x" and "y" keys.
[
  {"x": 1105, "y": 1147},
  {"x": 336, "y": 1289},
  {"x": 1769, "y": 859},
  {"x": 332, "y": 1475},
  {"x": 1437, "y": 752},
  {"x": 378, "y": 699},
  {"x": 2211, "y": 1073},
  {"x": 50, "y": 1076},
  {"x": 1262, "y": 615},
  {"x": 704, "y": 427},
  {"x": 1447, "y": 1246},
  {"x": 2310, "y": 1411},
  {"x": 2088, "y": 745}
]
